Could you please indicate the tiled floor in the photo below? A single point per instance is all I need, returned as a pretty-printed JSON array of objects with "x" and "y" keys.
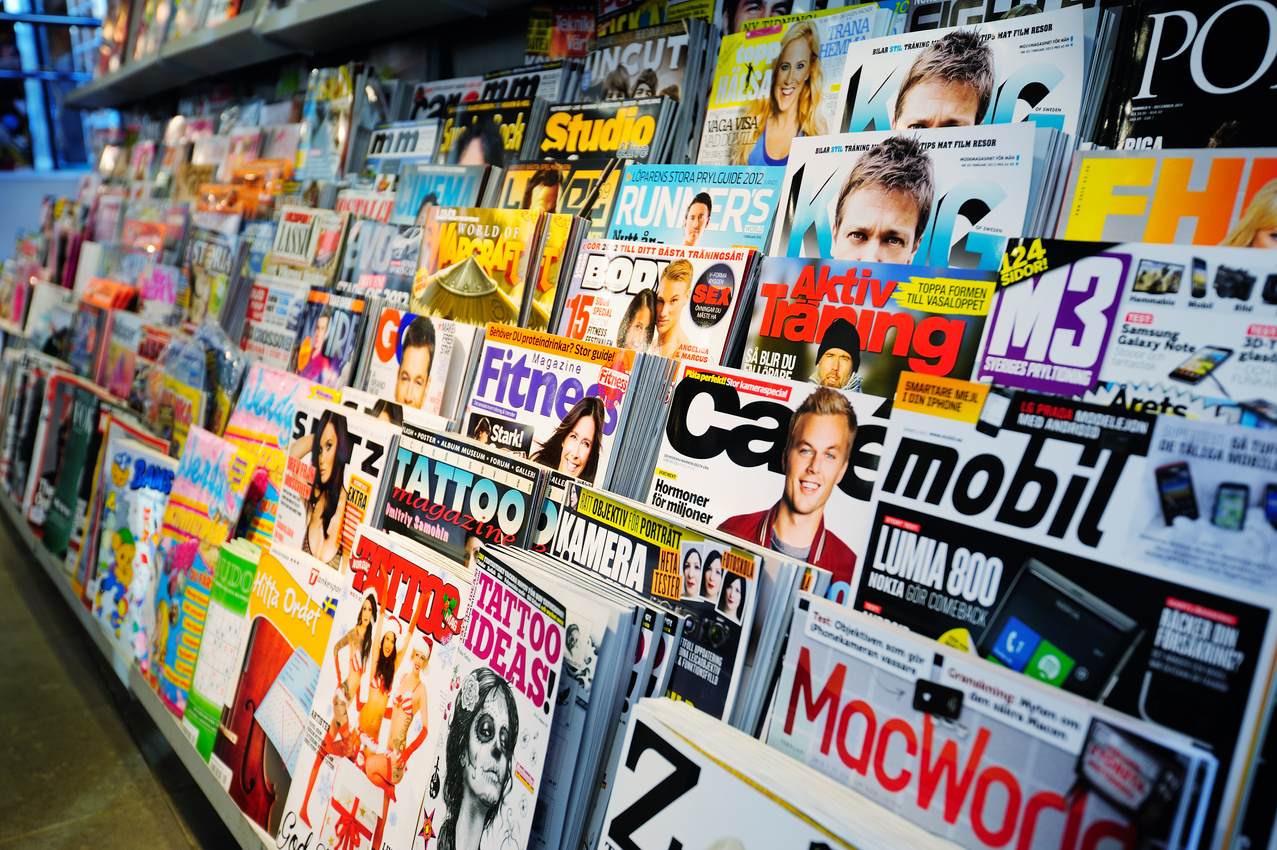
[{"x": 81, "y": 763}]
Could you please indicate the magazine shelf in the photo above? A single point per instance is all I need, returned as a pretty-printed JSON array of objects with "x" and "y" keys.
[
  {"x": 245, "y": 833},
  {"x": 133, "y": 81},
  {"x": 226, "y": 47}
]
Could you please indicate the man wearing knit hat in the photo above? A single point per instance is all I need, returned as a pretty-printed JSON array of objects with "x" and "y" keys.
[
  {"x": 838, "y": 359},
  {"x": 817, "y": 453}
]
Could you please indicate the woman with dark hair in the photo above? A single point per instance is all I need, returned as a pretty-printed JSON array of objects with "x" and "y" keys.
[
  {"x": 373, "y": 711},
  {"x": 339, "y": 740},
  {"x": 326, "y": 506},
  {"x": 639, "y": 322},
  {"x": 388, "y": 411},
  {"x": 480, "y": 756},
  {"x": 482, "y": 431},
  {"x": 386, "y": 768},
  {"x": 733, "y": 602},
  {"x": 712, "y": 576},
  {"x": 692, "y": 574},
  {"x": 574, "y": 447}
]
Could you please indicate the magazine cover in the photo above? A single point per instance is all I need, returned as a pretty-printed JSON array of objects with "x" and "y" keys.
[
  {"x": 1192, "y": 75},
  {"x": 1188, "y": 197},
  {"x": 74, "y": 466},
  {"x": 554, "y": 401},
  {"x": 778, "y": 71},
  {"x": 308, "y": 245},
  {"x": 421, "y": 187},
  {"x": 329, "y": 335},
  {"x": 446, "y": 493},
  {"x": 386, "y": 691},
  {"x": 433, "y": 99},
  {"x": 1163, "y": 318},
  {"x": 203, "y": 506},
  {"x": 936, "y": 14},
  {"x": 666, "y": 562},
  {"x": 1044, "y": 747},
  {"x": 272, "y": 687},
  {"x": 786, "y": 465},
  {"x": 325, "y": 124},
  {"x": 132, "y": 349},
  {"x": 211, "y": 264},
  {"x": 492, "y": 132},
  {"x": 549, "y": 81},
  {"x": 955, "y": 195},
  {"x": 365, "y": 204},
  {"x": 476, "y": 263},
  {"x": 708, "y": 206},
  {"x": 396, "y": 145},
  {"x": 381, "y": 259},
  {"x": 1012, "y": 70},
  {"x": 633, "y": 129},
  {"x": 53, "y": 409},
  {"x": 801, "y": 330},
  {"x": 333, "y": 475},
  {"x": 410, "y": 360},
  {"x": 261, "y": 426},
  {"x": 273, "y": 318},
  {"x": 673, "y": 301},
  {"x": 562, "y": 239},
  {"x": 86, "y": 339},
  {"x": 565, "y": 187},
  {"x": 649, "y": 63},
  {"x": 559, "y": 31},
  {"x": 1002, "y": 529}
]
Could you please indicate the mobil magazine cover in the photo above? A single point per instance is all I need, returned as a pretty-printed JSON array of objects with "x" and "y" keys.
[{"x": 944, "y": 197}]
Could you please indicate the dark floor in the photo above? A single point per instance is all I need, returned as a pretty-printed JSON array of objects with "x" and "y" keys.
[{"x": 81, "y": 763}]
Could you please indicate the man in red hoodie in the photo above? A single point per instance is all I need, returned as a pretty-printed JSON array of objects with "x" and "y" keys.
[{"x": 817, "y": 453}]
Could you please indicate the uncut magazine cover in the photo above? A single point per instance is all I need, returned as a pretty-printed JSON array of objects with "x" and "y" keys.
[
  {"x": 564, "y": 187},
  {"x": 554, "y": 401},
  {"x": 979, "y": 196},
  {"x": 476, "y": 263},
  {"x": 648, "y": 63},
  {"x": 422, "y": 186},
  {"x": 382, "y": 695},
  {"x": 1190, "y": 196},
  {"x": 1193, "y": 75},
  {"x": 1164, "y": 318},
  {"x": 337, "y": 460},
  {"x": 631, "y": 129},
  {"x": 1037, "y": 71},
  {"x": 1002, "y": 529},
  {"x": 709, "y": 206},
  {"x": 665, "y": 299},
  {"x": 753, "y": 77},
  {"x": 662, "y": 560},
  {"x": 444, "y": 491},
  {"x": 727, "y": 460},
  {"x": 832, "y": 322},
  {"x": 1045, "y": 747}
]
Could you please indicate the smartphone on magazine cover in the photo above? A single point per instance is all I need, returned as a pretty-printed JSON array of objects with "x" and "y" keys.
[
  {"x": 1270, "y": 504},
  {"x": 1199, "y": 277},
  {"x": 1230, "y": 506},
  {"x": 1175, "y": 487},
  {"x": 1204, "y": 361}
]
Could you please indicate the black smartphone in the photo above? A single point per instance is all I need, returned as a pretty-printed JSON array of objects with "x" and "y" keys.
[
  {"x": 1199, "y": 277},
  {"x": 1230, "y": 506},
  {"x": 1204, "y": 361},
  {"x": 994, "y": 411},
  {"x": 1270, "y": 504},
  {"x": 1175, "y": 486}
]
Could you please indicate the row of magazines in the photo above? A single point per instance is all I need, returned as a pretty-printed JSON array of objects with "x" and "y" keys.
[{"x": 287, "y": 586}]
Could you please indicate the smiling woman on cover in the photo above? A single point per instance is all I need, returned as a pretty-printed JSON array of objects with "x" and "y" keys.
[
  {"x": 326, "y": 506},
  {"x": 791, "y": 108},
  {"x": 574, "y": 447}
]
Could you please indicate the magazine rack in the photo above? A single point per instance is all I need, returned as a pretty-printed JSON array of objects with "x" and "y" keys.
[
  {"x": 245, "y": 832},
  {"x": 249, "y": 39}
]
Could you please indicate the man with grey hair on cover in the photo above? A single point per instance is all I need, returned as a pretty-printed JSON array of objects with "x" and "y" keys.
[
  {"x": 884, "y": 204},
  {"x": 949, "y": 84}
]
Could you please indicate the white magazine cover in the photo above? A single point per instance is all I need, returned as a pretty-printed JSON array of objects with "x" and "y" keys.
[
  {"x": 411, "y": 358},
  {"x": 273, "y": 318},
  {"x": 550, "y": 399},
  {"x": 432, "y": 99},
  {"x": 382, "y": 698},
  {"x": 670, "y": 300},
  {"x": 336, "y": 461},
  {"x": 1029, "y": 68},
  {"x": 946, "y": 197},
  {"x": 791, "y": 64},
  {"x": 710, "y": 206},
  {"x": 853, "y": 675},
  {"x": 727, "y": 459}
]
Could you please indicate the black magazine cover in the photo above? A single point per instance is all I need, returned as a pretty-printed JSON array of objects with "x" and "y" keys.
[{"x": 492, "y": 132}]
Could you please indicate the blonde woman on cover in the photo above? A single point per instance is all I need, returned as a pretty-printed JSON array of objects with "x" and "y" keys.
[
  {"x": 792, "y": 107},
  {"x": 1257, "y": 227}
]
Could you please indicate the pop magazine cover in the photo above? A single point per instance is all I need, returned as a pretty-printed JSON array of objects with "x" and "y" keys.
[
  {"x": 333, "y": 474},
  {"x": 708, "y": 206},
  {"x": 670, "y": 300},
  {"x": 1029, "y": 70},
  {"x": 955, "y": 196},
  {"x": 384, "y": 693},
  {"x": 777, "y": 68},
  {"x": 1063, "y": 761},
  {"x": 1164, "y": 319},
  {"x": 552, "y": 400},
  {"x": 1003, "y": 529},
  {"x": 767, "y": 459},
  {"x": 858, "y": 326}
]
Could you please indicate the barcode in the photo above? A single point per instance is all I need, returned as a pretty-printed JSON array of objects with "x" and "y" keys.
[
  {"x": 192, "y": 734},
  {"x": 221, "y": 773}
]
